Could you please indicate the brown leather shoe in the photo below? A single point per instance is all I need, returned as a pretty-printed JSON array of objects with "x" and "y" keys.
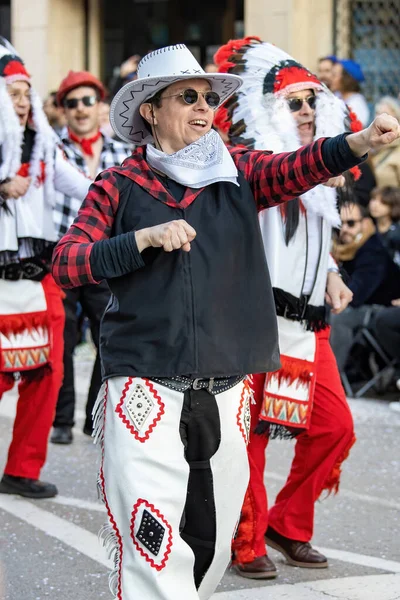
[
  {"x": 297, "y": 554},
  {"x": 261, "y": 567}
]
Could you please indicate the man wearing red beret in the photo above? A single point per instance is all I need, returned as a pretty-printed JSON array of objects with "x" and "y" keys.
[{"x": 79, "y": 94}]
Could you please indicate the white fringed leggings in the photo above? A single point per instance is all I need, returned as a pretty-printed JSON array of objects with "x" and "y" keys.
[{"x": 173, "y": 476}]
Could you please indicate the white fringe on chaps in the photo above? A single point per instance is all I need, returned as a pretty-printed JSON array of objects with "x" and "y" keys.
[{"x": 143, "y": 481}]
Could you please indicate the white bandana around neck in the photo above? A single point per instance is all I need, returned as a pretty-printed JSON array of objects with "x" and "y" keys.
[{"x": 202, "y": 163}]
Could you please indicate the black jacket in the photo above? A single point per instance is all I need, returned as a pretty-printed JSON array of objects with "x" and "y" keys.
[
  {"x": 185, "y": 317},
  {"x": 373, "y": 276},
  {"x": 208, "y": 312},
  {"x": 391, "y": 241}
]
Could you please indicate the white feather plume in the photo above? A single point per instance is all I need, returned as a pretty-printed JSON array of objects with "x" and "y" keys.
[
  {"x": 269, "y": 121},
  {"x": 11, "y": 135}
]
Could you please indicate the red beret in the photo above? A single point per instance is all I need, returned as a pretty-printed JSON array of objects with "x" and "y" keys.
[{"x": 76, "y": 79}]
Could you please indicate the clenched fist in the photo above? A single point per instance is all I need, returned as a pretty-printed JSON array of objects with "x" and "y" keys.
[
  {"x": 335, "y": 182},
  {"x": 383, "y": 131},
  {"x": 16, "y": 187},
  {"x": 173, "y": 235}
]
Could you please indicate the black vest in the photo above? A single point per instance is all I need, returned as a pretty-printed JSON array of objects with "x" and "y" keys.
[{"x": 204, "y": 313}]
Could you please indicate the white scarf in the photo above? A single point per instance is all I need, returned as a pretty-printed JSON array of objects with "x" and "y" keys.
[{"x": 200, "y": 164}]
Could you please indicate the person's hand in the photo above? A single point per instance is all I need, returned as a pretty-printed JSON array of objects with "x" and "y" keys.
[
  {"x": 335, "y": 182},
  {"x": 170, "y": 236},
  {"x": 396, "y": 302},
  {"x": 17, "y": 187},
  {"x": 129, "y": 66},
  {"x": 337, "y": 294},
  {"x": 383, "y": 131}
]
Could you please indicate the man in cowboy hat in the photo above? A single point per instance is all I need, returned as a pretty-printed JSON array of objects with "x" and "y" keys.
[
  {"x": 90, "y": 151},
  {"x": 175, "y": 233}
]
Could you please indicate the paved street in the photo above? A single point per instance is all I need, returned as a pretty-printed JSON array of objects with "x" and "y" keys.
[{"x": 49, "y": 548}]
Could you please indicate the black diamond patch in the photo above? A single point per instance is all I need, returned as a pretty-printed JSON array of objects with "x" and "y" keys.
[{"x": 150, "y": 533}]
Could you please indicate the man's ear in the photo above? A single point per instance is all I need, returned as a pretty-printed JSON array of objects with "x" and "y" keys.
[{"x": 147, "y": 112}]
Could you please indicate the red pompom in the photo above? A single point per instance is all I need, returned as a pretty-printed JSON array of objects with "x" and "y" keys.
[
  {"x": 356, "y": 172},
  {"x": 355, "y": 124}
]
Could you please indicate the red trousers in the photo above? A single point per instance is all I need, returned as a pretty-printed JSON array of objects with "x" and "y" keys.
[
  {"x": 37, "y": 398},
  {"x": 319, "y": 452}
]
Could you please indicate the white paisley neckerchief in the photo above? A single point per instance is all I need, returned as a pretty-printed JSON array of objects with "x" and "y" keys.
[{"x": 202, "y": 163}]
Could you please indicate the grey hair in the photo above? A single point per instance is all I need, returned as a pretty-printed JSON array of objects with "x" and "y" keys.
[{"x": 392, "y": 102}]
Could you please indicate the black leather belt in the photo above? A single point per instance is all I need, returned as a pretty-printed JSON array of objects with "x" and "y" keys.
[
  {"x": 295, "y": 313},
  {"x": 29, "y": 268},
  {"x": 214, "y": 385}
]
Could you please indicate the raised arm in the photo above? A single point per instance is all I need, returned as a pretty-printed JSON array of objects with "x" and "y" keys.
[
  {"x": 276, "y": 178},
  {"x": 87, "y": 254}
]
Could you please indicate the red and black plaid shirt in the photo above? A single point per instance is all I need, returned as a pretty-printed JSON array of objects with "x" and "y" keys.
[{"x": 273, "y": 178}]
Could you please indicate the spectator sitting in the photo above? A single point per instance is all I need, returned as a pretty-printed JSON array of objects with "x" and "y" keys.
[
  {"x": 324, "y": 70},
  {"x": 374, "y": 279},
  {"x": 55, "y": 114},
  {"x": 384, "y": 208},
  {"x": 387, "y": 162},
  {"x": 346, "y": 78}
]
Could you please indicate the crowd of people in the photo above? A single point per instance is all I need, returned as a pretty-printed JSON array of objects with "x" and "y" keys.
[
  {"x": 368, "y": 243},
  {"x": 210, "y": 319}
]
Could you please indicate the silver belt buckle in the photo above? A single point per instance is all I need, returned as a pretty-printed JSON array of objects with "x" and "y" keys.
[{"x": 196, "y": 384}]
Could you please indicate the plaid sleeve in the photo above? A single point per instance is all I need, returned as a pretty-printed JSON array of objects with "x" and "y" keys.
[
  {"x": 276, "y": 178},
  {"x": 71, "y": 257}
]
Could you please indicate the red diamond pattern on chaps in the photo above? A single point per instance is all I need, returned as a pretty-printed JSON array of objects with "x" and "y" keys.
[
  {"x": 151, "y": 534},
  {"x": 140, "y": 408}
]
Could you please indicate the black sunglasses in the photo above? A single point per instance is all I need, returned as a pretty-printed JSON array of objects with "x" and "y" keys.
[
  {"x": 86, "y": 101},
  {"x": 296, "y": 104},
  {"x": 191, "y": 96},
  {"x": 351, "y": 222}
]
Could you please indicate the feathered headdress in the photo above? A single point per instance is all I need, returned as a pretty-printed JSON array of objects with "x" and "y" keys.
[
  {"x": 12, "y": 69},
  {"x": 258, "y": 115}
]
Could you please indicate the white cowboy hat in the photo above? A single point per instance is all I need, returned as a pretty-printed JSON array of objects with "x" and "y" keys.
[{"x": 156, "y": 71}]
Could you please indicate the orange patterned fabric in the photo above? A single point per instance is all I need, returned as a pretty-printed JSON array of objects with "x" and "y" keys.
[{"x": 284, "y": 409}]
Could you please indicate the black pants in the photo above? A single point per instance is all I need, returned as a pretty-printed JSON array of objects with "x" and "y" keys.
[
  {"x": 344, "y": 326},
  {"x": 200, "y": 432},
  {"x": 93, "y": 299},
  {"x": 387, "y": 330}
]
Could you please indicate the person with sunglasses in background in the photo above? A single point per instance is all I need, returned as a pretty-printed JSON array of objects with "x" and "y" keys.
[
  {"x": 283, "y": 106},
  {"x": 373, "y": 278},
  {"x": 175, "y": 233},
  {"x": 79, "y": 95}
]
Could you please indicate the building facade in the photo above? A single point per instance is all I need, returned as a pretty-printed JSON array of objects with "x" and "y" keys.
[
  {"x": 57, "y": 35},
  {"x": 369, "y": 32}
]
